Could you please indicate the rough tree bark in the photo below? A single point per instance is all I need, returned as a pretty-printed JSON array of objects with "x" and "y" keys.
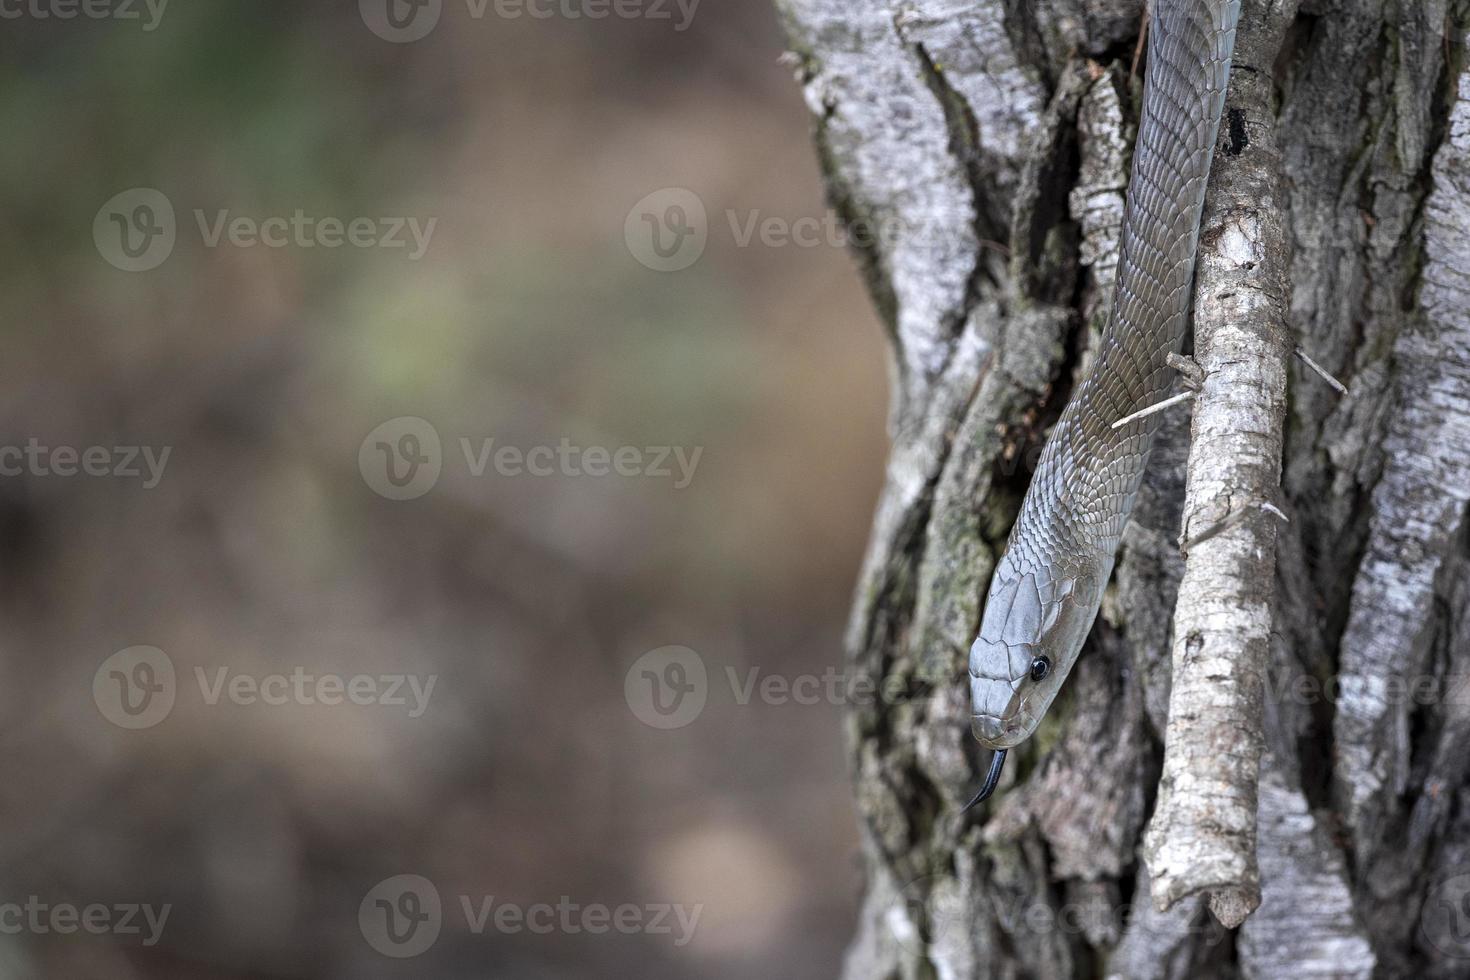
[{"x": 983, "y": 145}]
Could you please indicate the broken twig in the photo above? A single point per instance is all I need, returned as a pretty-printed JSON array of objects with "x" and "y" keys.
[
  {"x": 1341, "y": 388},
  {"x": 1143, "y": 413}
]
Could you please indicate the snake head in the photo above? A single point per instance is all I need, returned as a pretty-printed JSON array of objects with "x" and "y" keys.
[{"x": 1034, "y": 626}]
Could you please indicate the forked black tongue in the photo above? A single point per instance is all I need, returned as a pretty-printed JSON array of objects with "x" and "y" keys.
[{"x": 997, "y": 762}]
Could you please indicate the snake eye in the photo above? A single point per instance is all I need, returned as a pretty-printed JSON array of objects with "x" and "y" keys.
[{"x": 1040, "y": 667}]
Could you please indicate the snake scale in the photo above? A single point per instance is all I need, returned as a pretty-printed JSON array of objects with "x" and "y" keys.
[{"x": 1046, "y": 589}]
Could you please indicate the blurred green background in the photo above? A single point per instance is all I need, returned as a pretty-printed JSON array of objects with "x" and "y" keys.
[{"x": 264, "y": 548}]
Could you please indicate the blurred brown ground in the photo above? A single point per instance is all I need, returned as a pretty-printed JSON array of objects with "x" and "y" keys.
[{"x": 262, "y": 549}]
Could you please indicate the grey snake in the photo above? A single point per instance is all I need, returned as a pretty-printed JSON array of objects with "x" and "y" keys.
[{"x": 1046, "y": 589}]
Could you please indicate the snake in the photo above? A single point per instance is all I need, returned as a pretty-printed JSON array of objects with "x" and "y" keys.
[{"x": 1047, "y": 586}]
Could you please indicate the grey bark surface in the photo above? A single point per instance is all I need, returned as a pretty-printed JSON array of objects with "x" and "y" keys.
[{"x": 986, "y": 142}]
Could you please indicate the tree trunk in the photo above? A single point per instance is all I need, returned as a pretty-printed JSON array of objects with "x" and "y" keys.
[{"x": 978, "y": 150}]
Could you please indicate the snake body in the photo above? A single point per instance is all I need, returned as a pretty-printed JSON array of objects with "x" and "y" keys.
[{"x": 1046, "y": 589}]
